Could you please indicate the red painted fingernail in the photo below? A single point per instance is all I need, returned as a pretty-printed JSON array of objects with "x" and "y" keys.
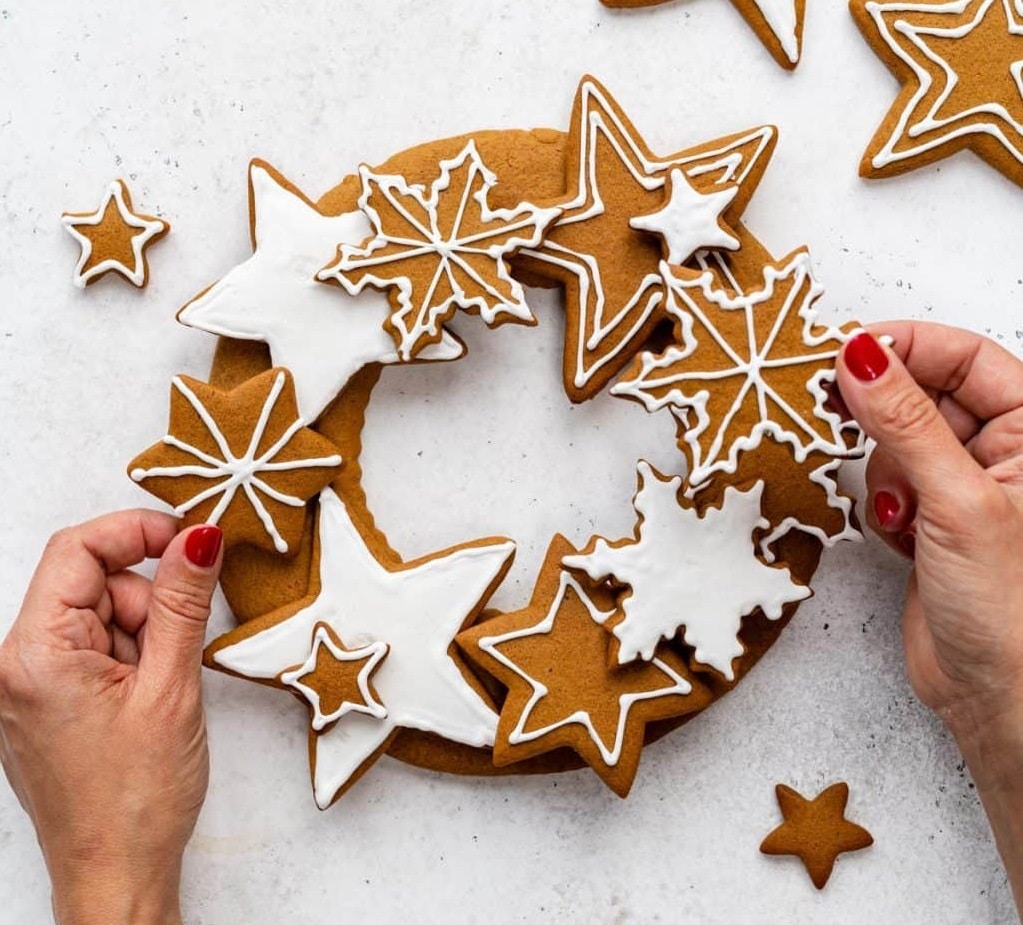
[
  {"x": 203, "y": 546},
  {"x": 907, "y": 543},
  {"x": 866, "y": 358},
  {"x": 886, "y": 507}
]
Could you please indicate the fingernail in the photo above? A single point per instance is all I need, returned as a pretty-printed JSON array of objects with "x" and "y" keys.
[
  {"x": 203, "y": 546},
  {"x": 886, "y": 507},
  {"x": 865, "y": 357},
  {"x": 907, "y": 543}
]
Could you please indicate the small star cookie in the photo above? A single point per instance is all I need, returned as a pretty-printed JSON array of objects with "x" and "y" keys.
[
  {"x": 961, "y": 63},
  {"x": 557, "y": 662},
  {"x": 816, "y": 831},
  {"x": 243, "y": 459},
  {"x": 114, "y": 238},
  {"x": 778, "y": 23}
]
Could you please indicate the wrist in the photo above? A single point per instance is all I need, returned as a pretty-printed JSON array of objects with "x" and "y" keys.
[
  {"x": 990, "y": 737},
  {"x": 117, "y": 898}
]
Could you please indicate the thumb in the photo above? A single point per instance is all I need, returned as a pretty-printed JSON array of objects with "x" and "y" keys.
[
  {"x": 891, "y": 408},
  {"x": 179, "y": 605}
]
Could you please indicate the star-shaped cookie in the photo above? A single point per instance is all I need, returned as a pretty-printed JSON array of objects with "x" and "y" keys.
[
  {"x": 319, "y": 332},
  {"x": 816, "y": 831},
  {"x": 114, "y": 238},
  {"x": 556, "y": 660},
  {"x": 243, "y": 459},
  {"x": 961, "y": 63},
  {"x": 778, "y": 23},
  {"x": 414, "y": 608},
  {"x": 615, "y": 291}
]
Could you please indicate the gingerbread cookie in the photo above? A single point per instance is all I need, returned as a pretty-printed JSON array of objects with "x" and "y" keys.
[
  {"x": 243, "y": 459},
  {"x": 816, "y": 831},
  {"x": 313, "y": 624},
  {"x": 959, "y": 61},
  {"x": 778, "y": 23},
  {"x": 114, "y": 238}
]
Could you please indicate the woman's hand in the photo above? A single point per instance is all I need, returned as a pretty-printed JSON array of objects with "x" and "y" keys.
[
  {"x": 101, "y": 722},
  {"x": 946, "y": 489}
]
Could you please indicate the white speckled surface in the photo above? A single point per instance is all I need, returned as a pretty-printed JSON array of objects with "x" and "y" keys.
[{"x": 176, "y": 98}]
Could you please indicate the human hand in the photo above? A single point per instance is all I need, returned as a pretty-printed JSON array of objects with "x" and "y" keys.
[{"x": 102, "y": 734}]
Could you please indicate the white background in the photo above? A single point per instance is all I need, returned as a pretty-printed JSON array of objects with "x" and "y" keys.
[{"x": 175, "y": 98}]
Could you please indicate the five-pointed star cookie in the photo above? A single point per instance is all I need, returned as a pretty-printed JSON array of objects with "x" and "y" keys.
[
  {"x": 615, "y": 292},
  {"x": 439, "y": 251},
  {"x": 961, "y": 62},
  {"x": 319, "y": 332},
  {"x": 114, "y": 238},
  {"x": 778, "y": 23},
  {"x": 684, "y": 570},
  {"x": 745, "y": 365},
  {"x": 556, "y": 661},
  {"x": 415, "y": 608},
  {"x": 816, "y": 831},
  {"x": 336, "y": 680},
  {"x": 243, "y": 459}
]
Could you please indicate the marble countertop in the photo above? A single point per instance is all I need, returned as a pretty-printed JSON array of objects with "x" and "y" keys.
[{"x": 176, "y": 98}]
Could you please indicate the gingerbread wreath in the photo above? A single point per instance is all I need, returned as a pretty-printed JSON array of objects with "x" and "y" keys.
[{"x": 669, "y": 302}]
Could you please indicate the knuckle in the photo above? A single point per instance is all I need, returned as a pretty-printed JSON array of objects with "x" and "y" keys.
[
  {"x": 907, "y": 411},
  {"x": 184, "y": 599},
  {"x": 60, "y": 541}
]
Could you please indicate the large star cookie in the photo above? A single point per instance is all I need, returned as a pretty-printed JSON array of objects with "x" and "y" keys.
[
  {"x": 683, "y": 571},
  {"x": 415, "y": 609},
  {"x": 114, "y": 238},
  {"x": 243, "y": 459},
  {"x": 624, "y": 206},
  {"x": 816, "y": 831},
  {"x": 322, "y": 335},
  {"x": 778, "y": 23},
  {"x": 564, "y": 690},
  {"x": 961, "y": 62}
]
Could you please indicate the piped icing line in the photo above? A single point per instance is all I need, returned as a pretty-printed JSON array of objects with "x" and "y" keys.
[
  {"x": 417, "y": 319},
  {"x": 318, "y": 332},
  {"x": 599, "y": 118},
  {"x": 691, "y": 295},
  {"x": 931, "y": 122},
  {"x": 371, "y": 654},
  {"x": 699, "y": 574},
  {"x": 148, "y": 230},
  {"x": 237, "y": 472},
  {"x": 609, "y": 753},
  {"x": 782, "y": 19}
]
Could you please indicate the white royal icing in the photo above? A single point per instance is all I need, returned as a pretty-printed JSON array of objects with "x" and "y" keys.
[
  {"x": 688, "y": 571},
  {"x": 319, "y": 333},
  {"x": 611, "y": 752},
  {"x": 690, "y": 220},
  {"x": 416, "y": 610},
  {"x": 230, "y": 472},
  {"x": 419, "y": 316},
  {"x": 781, "y": 16},
  {"x": 598, "y": 118},
  {"x": 930, "y": 123},
  {"x": 749, "y": 360},
  {"x": 147, "y": 230},
  {"x": 371, "y": 654}
]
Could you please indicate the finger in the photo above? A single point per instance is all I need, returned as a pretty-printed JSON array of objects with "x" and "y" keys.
[
  {"x": 892, "y": 408},
  {"x": 892, "y": 504},
  {"x": 999, "y": 440},
  {"x": 983, "y": 377},
  {"x": 73, "y": 569},
  {"x": 129, "y": 597},
  {"x": 964, "y": 424},
  {"x": 179, "y": 606},
  {"x": 124, "y": 646}
]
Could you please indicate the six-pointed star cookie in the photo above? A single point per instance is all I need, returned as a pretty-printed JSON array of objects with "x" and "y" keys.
[
  {"x": 416, "y": 608},
  {"x": 319, "y": 332},
  {"x": 962, "y": 65},
  {"x": 556, "y": 661},
  {"x": 114, "y": 238},
  {"x": 816, "y": 831},
  {"x": 243, "y": 459},
  {"x": 779, "y": 23},
  {"x": 611, "y": 270}
]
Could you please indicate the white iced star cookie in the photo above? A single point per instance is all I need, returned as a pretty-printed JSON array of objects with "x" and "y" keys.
[
  {"x": 320, "y": 333},
  {"x": 416, "y": 609}
]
